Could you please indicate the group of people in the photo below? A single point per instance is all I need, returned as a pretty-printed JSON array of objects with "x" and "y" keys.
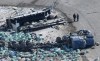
[
  {"x": 27, "y": 46},
  {"x": 20, "y": 45},
  {"x": 76, "y": 17}
]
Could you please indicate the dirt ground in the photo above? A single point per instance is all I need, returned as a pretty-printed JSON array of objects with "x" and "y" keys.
[{"x": 88, "y": 10}]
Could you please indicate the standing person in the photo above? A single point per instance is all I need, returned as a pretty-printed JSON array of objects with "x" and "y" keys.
[
  {"x": 74, "y": 17},
  {"x": 77, "y": 17}
]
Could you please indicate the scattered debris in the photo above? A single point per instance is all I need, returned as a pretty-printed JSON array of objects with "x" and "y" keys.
[
  {"x": 97, "y": 59},
  {"x": 97, "y": 43}
]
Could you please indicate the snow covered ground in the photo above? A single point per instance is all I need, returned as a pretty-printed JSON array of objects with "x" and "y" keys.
[
  {"x": 14, "y": 2},
  {"x": 88, "y": 10}
]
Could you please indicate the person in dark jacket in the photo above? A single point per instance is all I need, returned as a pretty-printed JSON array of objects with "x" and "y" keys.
[
  {"x": 29, "y": 46},
  {"x": 77, "y": 17},
  {"x": 22, "y": 45},
  {"x": 74, "y": 17},
  {"x": 2, "y": 44}
]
